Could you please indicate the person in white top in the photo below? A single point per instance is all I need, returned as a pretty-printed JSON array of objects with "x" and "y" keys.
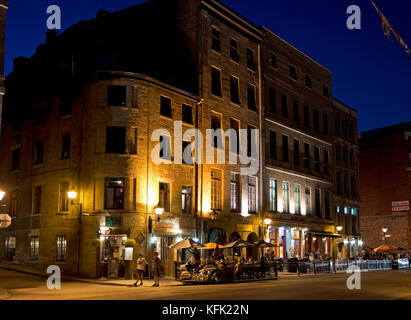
[{"x": 141, "y": 267}]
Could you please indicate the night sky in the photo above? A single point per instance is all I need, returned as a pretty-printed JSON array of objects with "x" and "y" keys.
[{"x": 370, "y": 73}]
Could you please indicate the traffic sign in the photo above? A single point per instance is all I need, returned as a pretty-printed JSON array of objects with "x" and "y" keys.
[{"x": 5, "y": 221}]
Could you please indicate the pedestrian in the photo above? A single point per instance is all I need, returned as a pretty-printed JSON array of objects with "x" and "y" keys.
[
  {"x": 141, "y": 267},
  {"x": 155, "y": 265}
]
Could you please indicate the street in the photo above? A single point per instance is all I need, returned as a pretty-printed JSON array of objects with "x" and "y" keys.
[{"x": 374, "y": 285}]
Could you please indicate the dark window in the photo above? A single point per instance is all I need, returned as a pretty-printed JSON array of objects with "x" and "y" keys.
[
  {"x": 116, "y": 96},
  {"x": 186, "y": 196},
  {"x": 284, "y": 106},
  {"x": 306, "y": 155},
  {"x": 66, "y": 146},
  {"x": 165, "y": 107},
  {"x": 10, "y": 248},
  {"x": 187, "y": 114},
  {"x": 325, "y": 124},
  {"x": 337, "y": 125},
  {"x": 216, "y": 125},
  {"x": 338, "y": 153},
  {"x": 352, "y": 159},
  {"x": 235, "y": 137},
  {"x": 165, "y": 148},
  {"x": 250, "y": 59},
  {"x": 15, "y": 159},
  {"x": 64, "y": 189},
  {"x": 345, "y": 155},
  {"x": 40, "y": 114},
  {"x": 272, "y": 60},
  {"x": 13, "y": 203},
  {"x": 344, "y": 129},
  {"x": 273, "y": 145},
  {"x": 345, "y": 183},
  {"x": 37, "y": 200},
  {"x": 15, "y": 125},
  {"x": 306, "y": 116},
  {"x": 34, "y": 248},
  {"x": 66, "y": 105},
  {"x": 318, "y": 203},
  {"x": 114, "y": 193},
  {"x": 285, "y": 149},
  {"x": 326, "y": 162},
  {"x": 316, "y": 116},
  {"x": 215, "y": 39},
  {"x": 296, "y": 111},
  {"x": 327, "y": 204},
  {"x": 296, "y": 152},
  {"x": 38, "y": 152},
  {"x": 308, "y": 81},
  {"x": 293, "y": 73},
  {"x": 325, "y": 91},
  {"x": 272, "y": 100},
  {"x": 338, "y": 182},
  {"x": 61, "y": 254},
  {"x": 115, "y": 140},
  {"x": 234, "y": 50},
  {"x": 234, "y": 90},
  {"x": 251, "y": 97},
  {"x": 316, "y": 159},
  {"x": 187, "y": 153},
  {"x": 164, "y": 196},
  {"x": 353, "y": 186},
  {"x": 215, "y": 81},
  {"x": 351, "y": 130},
  {"x": 251, "y": 140}
]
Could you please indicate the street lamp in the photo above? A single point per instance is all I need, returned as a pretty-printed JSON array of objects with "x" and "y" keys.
[
  {"x": 267, "y": 221},
  {"x": 384, "y": 230},
  {"x": 158, "y": 211},
  {"x": 213, "y": 215},
  {"x": 2, "y": 194},
  {"x": 339, "y": 228},
  {"x": 72, "y": 195}
]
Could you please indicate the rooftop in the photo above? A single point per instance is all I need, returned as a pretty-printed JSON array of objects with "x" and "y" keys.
[{"x": 384, "y": 131}]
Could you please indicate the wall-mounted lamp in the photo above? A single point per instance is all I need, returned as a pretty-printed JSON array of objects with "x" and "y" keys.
[
  {"x": 158, "y": 211},
  {"x": 72, "y": 195},
  {"x": 384, "y": 230},
  {"x": 213, "y": 215},
  {"x": 2, "y": 194}
]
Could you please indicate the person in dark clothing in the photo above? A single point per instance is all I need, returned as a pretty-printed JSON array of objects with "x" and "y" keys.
[{"x": 155, "y": 265}]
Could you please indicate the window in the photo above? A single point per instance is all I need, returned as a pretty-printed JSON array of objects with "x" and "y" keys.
[
  {"x": 165, "y": 107},
  {"x": 273, "y": 195},
  {"x": 297, "y": 198},
  {"x": 346, "y": 210},
  {"x": 318, "y": 203},
  {"x": 272, "y": 60},
  {"x": 316, "y": 159},
  {"x": 338, "y": 152},
  {"x": 273, "y": 145},
  {"x": 65, "y": 108},
  {"x": 308, "y": 81},
  {"x": 293, "y": 73},
  {"x": 116, "y": 140},
  {"x": 306, "y": 155},
  {"x": 308, "y": 207},
  {"x": 296, "y": 111},
  {"x": 234, "y": 50},
  {"x": 284, "y": 106},
  {"x": 133, "y": 140},
  {"x": 316, "y": 116},
  {"x": 10, "y": 248},
  {"x": 114, "y": 193},
  {"x": 285, "y": 149},
  {"x": 327, "y": 204},
  {"x": 325, "y": 91},
  {"x": 38, "y": 152},
  {"x": 215, "y": 81},
  {"x": 187, "y": 114},
  {"x": 326, "y": 164},
  {"x": 186, "y": 199},
  {"x": 250, "y": 59},
  {"x": 15, "y": 164},
  {"x": 306, "y": 116},
  {"x": 286, "y": 197},
  {"x": 272, "y": 100},
  {"x": 13, "y": 203},
  {"x": 296, "y": 152},
  {"x": 353, "y": 186},
  {"x": 116, "y": 96},
  {"x": 235, "y": 136},
  {"x": 343, "y": 125},
  {"x": 165, "y": 148},
  {"x": 338, "y": 182},
  {"x": 216, "y": 125},
  {"x": 216, "y": 190},
  {"x": 252, "y": 195},
  {"x": 66, "y": 146},
  {"x": 345, "y": 183},
  {"x": 325, "y": 124},
  {"x": 251, "y": 97},
  {"x": 352, "y": 159},
  {"x": 37, "y": 200},
  {"x": 235, "y": 194},
  {"x": 234, "y": 90},
  {"x": 61, "y": 248},
  {"x": 345, "y": 155},
  {"x": 252, "y": 139},
  {"x": 338, "y": 209},
  {"x": 34, "y": 248},
  {"x": 64, "y": 188},
  {"x": 187, "y": 155},
  {"x": 164, "y": 196},
  {"x": 354, "y": 211},
  {"x": 215, "y": 39},
  {"x": 337, "y": 125}
]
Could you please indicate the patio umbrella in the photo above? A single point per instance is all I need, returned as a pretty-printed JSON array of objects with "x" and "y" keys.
[
  {"x": 210, "y": 246},
  {"x": 185, "y": 244},
  {"x": 264, "y": 244},
  {"x": 382, "y": 248},
  {"x": 237, "y": 244}
]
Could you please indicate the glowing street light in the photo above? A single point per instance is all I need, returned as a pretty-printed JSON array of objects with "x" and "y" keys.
[
  {"x": 72, "y": 195},
  {"x": 384, "y": 230},
  {"x": 2, "y": 194},
  {"x": 339, "y": 228},
  {"x": 158, "y": 211},
  {"x": 267, "y": 221}
]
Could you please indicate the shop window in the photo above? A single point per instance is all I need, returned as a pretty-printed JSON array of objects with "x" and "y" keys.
[
  {"x": 10, "y": 248},
  {"x": 13, "y": 203},
  {"x": 114, "y": 193},
  {"x": 215, "y": 39},
  {"x": 273, "y": 195},
  {"x": 164, "y": 196},
  {"x": 234, "y": 50},
  {"x": 116, "y": 96},
  {"x": 286, "y": 197},
  {"x": 116, "y": 140},
  {"x": 34, "y": 248},
  {"x": 15, "y": 164},
  {"x": 235, "y": 194},
  {"x": 252, "y": 195},
  {"x": 187, "y": 114},
  {"x": 37, "y": 200},
  {"x": 66, "y": 146},
  {"x": 250, "y": 59},
  {"x": 215, "y": 81},
  {"x": 251, "y": 97},
  {"x": 216, "y": 189},
  {"x": 64, "y": 188},
  {"x": 186, "y": 199},
  {"x": 61, "y": 248},
  {"x": 234, "y": 90},
  {"x": 165, "y": 106}
]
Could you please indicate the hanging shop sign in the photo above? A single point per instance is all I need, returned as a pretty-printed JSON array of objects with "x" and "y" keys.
[{"x": 400, "y": 206}]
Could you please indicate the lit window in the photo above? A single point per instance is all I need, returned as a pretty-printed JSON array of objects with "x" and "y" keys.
[
  {"x": 286, "y": 197},
  {"x": 346, "y": 210},
  {"x": 273, "y": 195}
]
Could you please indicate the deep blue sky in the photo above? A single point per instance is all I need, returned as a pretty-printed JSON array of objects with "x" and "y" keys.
[{"x": 370, "y": 73}]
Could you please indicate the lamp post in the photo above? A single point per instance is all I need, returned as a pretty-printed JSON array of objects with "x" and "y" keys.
[{"x": 73, "y": 195}]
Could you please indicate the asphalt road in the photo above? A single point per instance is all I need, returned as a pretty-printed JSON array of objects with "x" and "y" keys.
[{"x": 374, "y": 285}]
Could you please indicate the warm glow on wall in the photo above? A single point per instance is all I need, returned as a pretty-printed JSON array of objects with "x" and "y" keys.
[
  {"x": 280, "y": 205},
  {"x": 292, "y": 207},
  {"x": 303, "y": 209},
  {"x": 244, "y": 207}
]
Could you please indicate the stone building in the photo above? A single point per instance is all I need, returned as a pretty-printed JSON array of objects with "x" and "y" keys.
[
  {"x": 385, "y": 186},
  {"x": 3, "y": 10}
]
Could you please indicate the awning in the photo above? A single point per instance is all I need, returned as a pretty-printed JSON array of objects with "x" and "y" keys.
[{"x": 325, "y": 234}]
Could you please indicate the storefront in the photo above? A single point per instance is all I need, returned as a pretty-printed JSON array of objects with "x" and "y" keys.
[
  {"x": 112, "y": 256},
  {"x": 290, "y": 241}
]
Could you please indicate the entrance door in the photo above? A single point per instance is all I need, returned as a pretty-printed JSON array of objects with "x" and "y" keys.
[{"x": 166, "y": 255}]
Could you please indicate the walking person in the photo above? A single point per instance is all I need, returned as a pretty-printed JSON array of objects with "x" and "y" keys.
[
  {"x": 141, "y": 267},
  {"x": 155, "y": 265}
]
